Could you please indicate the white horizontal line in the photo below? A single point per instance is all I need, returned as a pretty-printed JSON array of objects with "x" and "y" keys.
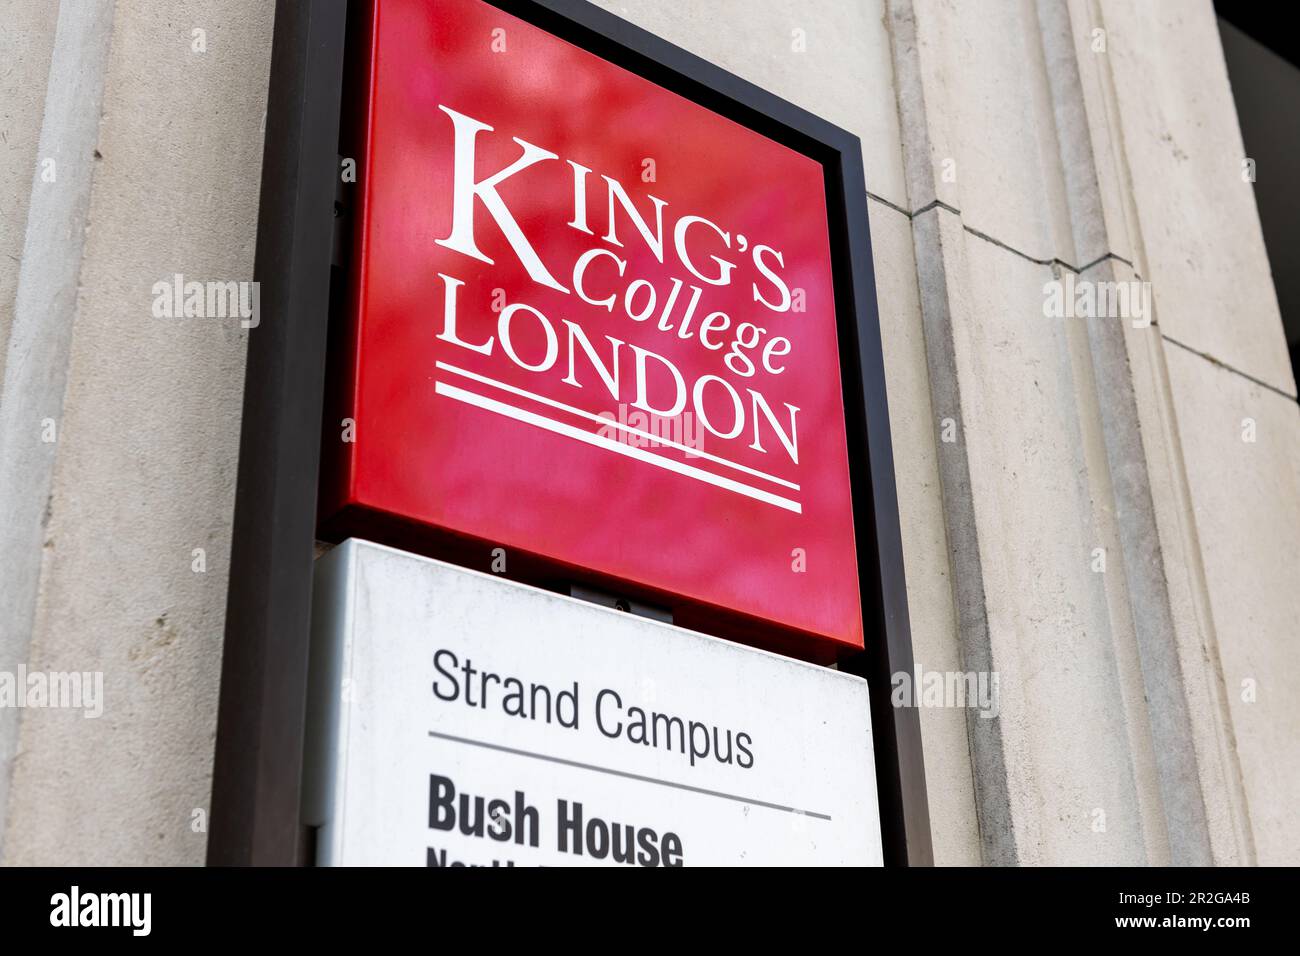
[
  {"x": 600, "y": 441},
  {"x": 616, "y": 424}
]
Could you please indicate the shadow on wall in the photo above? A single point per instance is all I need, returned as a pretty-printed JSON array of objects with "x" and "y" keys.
[{"x": 1264, "y": 68}]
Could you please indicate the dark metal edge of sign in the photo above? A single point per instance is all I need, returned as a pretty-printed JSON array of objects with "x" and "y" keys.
[
  {"x": 261, "y": 721},
  {"x": 256, "y": 774}
]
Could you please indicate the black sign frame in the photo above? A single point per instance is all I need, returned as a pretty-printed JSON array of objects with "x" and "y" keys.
[{"x": 255, "y": 813}]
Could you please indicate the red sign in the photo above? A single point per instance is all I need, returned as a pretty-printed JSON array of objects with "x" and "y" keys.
[{"x": 594, "y": 324}]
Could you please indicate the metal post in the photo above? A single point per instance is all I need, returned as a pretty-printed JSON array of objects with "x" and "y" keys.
[{"x": 256, "y": 775}]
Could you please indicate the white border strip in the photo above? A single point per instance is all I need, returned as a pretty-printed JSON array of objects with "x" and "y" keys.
[
  {"x": 590, "y": 438},
  {"x": 609, "y": 421}
]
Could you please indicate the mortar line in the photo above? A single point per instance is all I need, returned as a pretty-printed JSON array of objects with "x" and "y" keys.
[
  {"x": 1224, "y": 365},
  {"x": 939, "y": 204}
]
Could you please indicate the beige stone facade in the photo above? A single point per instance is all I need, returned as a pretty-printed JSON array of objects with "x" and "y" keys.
[{"x": 1102, "y": 512}]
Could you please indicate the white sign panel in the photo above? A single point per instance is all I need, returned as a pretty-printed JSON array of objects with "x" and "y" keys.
[{"x": 461, "y": 719}]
